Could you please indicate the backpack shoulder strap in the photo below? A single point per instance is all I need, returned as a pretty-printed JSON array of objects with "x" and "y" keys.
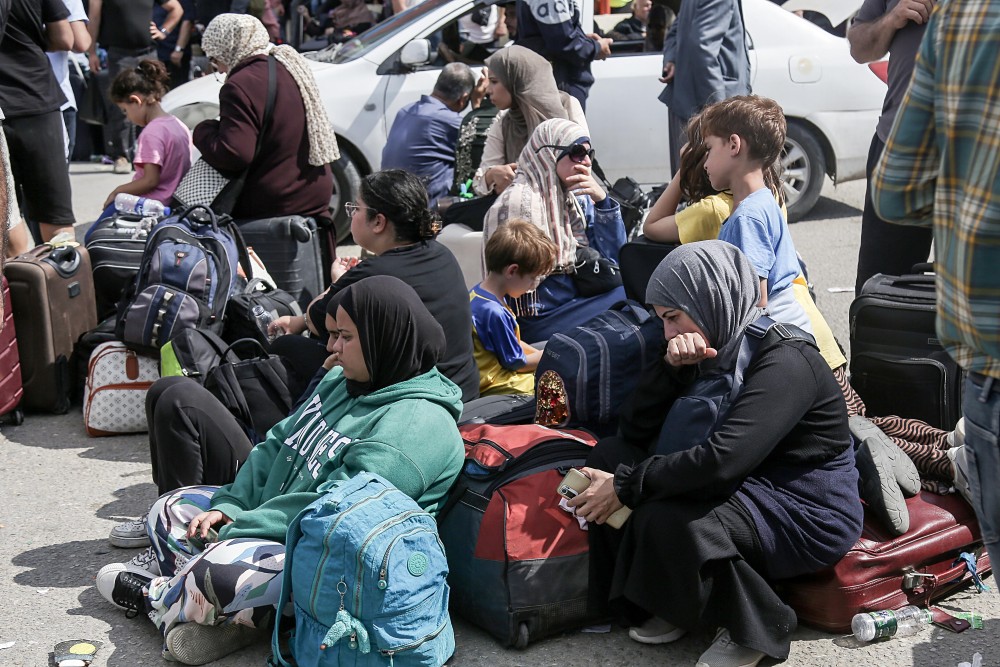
[{"x": 755, "y": 334}]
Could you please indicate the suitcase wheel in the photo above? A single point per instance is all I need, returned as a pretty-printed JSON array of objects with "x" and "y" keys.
[
  {"x": 522, "y": 636},
  {"x": 15, "y": 417}
]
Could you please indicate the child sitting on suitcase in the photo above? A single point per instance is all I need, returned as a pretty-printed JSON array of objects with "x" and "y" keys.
[
  {"x": 163, "y": 149},
  {"x": 518, "y": 257}
]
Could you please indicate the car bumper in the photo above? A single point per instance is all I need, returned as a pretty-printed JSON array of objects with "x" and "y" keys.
[{"x": 843, "y": 129}]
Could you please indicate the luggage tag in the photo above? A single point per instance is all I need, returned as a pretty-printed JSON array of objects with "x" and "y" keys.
[{"x": 943, "y": 619}]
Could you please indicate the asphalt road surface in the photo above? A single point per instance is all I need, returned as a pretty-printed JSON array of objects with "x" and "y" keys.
[{"x": 61, "y": 492}]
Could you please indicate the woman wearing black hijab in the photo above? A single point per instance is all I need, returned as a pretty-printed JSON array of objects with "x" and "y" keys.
[{"x": 385, "y": 409}]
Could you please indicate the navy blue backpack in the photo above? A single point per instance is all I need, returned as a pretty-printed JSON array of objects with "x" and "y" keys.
[
  {"x": 697, "y": 414},
  {"x": 186, "y": 276}
]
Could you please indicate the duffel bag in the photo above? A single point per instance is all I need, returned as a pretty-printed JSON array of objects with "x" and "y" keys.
[
  {"x": 114, "y": 400},
  {"x": 519, "y": 562}
]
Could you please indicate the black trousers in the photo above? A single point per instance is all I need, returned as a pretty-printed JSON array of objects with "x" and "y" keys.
[
  {"x": 193, "y": 439},
  {"x": 886, "y": 247}
]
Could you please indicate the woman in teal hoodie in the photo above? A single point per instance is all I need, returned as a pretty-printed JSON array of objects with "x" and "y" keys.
[{"x": 386, "y": 410}]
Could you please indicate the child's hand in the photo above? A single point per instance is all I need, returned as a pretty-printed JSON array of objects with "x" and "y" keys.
[
  {"x": 582, "y": 183},
  {"x": 342, "y": 265},
  {"x": 111, "y": 198}
]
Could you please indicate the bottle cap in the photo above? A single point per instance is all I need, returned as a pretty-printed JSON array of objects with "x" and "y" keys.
[{"x": 166, "y": 211}]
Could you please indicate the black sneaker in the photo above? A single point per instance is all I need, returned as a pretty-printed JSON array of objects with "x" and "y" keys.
[{"x": 122, "y": 588}]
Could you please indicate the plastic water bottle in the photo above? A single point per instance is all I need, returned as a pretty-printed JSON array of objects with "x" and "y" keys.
[
  {"x": 136, "y": 205},
  {"x": 264, "y": 320},
  {"x": 899, "y": 623}
]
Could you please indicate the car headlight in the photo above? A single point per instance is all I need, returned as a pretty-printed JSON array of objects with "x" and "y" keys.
[{"x": 192, "y": 114}]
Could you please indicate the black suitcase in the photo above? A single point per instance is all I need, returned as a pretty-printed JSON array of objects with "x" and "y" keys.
[
  {"x": 291, "y": 248},
  {"x": 502, "y": 410},
  {"x": 638, "y": 259},
  {"x": 898, "y": 365},
  {"x": 115, "y": 245}
]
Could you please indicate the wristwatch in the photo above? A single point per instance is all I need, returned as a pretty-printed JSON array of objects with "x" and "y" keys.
[{"x": 178, "y": 49}]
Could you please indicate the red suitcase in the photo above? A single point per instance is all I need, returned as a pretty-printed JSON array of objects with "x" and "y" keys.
[
  {"x": 886, "y": 572},
  {"x": 10, "y": 364}
]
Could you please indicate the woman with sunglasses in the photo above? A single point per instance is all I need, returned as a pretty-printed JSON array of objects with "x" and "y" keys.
[
  {"x": 521, "y": 85},
  {"x": 391, "y": 220},
  {"x": 555, "y": 189},
  {"x": 291, "y": 174}
]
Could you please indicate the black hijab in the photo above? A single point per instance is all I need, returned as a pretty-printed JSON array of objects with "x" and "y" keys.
[{"x": 399, "y": 337}]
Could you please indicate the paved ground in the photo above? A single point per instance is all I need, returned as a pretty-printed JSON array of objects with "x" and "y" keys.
[{"x": 60, "y": 493}]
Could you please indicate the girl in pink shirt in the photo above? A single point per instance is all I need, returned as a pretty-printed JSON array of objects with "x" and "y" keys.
[{"x": 163, "y": 149}]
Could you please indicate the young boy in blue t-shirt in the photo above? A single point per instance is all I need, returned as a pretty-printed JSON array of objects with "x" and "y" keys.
[
  {"x": 744, "y": 136},
  {"x": 518, "y": 257}
]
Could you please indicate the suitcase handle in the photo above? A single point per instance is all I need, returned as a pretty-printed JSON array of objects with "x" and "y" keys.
[{"x": 65, "y": 260}]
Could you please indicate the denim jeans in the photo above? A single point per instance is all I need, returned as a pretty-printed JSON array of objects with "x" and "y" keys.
[{"x": 981, "y": 409}]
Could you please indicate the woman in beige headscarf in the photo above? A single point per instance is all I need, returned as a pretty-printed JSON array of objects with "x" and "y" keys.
[
  {"x": 555, "y": 190},
  {"x": 522, "y": 86},
  {"x": 291, "y": 174}
]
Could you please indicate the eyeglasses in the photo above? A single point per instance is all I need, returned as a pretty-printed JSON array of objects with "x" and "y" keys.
[
  {"x": 576, "y": 152},
  {"x": 353, "y": 208}
]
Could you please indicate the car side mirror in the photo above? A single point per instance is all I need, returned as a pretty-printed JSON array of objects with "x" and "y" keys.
[{"x": 415, "y": 53}]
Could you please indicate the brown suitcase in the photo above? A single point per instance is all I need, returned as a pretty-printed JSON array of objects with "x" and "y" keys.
[
  {"x": 52, "y": 296},
  {"x": 886, "y": 572}
]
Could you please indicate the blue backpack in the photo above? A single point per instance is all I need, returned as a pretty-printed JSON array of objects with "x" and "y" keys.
[
  {"x": 697, "y": 414},
  {"x": 188, "y": 270},
  {"x": 367, "y": 576}
]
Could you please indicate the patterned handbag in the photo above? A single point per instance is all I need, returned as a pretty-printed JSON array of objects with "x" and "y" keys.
[
  {"x": 114, "y": 400},
  {"x": 200, "y": 185}
]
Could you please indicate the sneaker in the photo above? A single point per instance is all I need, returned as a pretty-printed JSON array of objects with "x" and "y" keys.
[
  {"x": 144, "y": 563},
  {"x": 960, "y": 472},
  {"x": 123, "y": 588},
  {"x": 878, "y": 485},
  {"x": 194, "y": 644},
  {"x": 956, "y": 438},
  {"x": 724, "y": 652},
  {"x": 122, "y": 166},
  {"x": 907, "y": 475},
  {"x": 130, "y": 535},
  {"x": 656, "y": 631}
]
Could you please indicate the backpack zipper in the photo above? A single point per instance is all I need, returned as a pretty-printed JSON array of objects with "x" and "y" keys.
[
  {"x": 603, "y": 378},
  {"x": 415, "y": 644},
  {"x": 383, "y": 572},
  {"x": 372, "y": 534},
  {"x": 541, "y": 455},
  {"x": 326, "y": 548}
]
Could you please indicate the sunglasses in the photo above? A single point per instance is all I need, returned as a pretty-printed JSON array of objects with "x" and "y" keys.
[{"x": 576, "y": 152}]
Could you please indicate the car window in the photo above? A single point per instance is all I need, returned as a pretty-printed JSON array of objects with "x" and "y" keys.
[
  {"x": 470, "y": 38},
  {"x": 378, "y": 34}
]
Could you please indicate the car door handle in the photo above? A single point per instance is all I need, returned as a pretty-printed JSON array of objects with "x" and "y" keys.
[{"x": 369, "y": 107}]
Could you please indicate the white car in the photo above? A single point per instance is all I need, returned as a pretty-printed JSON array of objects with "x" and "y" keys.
[{"x": 831, "y": 103}]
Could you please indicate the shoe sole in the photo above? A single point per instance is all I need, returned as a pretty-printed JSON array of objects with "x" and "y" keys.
[
  {"x": 193, "y": 644},
  {"x": 665, "y": 638},
  {"x": 128, "y": 542},
  {"x": 879, "y": 486},
  {"x": 903, "y": 468}
]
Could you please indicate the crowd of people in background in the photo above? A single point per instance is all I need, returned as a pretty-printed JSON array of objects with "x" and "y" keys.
[{"x": 934, "y": 165}]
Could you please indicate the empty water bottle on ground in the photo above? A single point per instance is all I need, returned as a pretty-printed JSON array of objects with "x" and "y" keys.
[
  {"x": 264, "y": 319},
  {"x": 889, "y": 623},
  {"x": 143, "y": 206}
]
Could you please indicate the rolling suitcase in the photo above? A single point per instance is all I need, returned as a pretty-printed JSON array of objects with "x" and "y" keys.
[
  {"x": 115, "y": 245},
  {"x": 886, "y": 572},
  {"x": 10, "y": 365},
  {"x": 291, "y": 248},
  {"x": 638, "y": 259},
  {"x": 52, "y": 298},
  {"x": 898, "y": 366},
  {"x": 518, "y": 561}
]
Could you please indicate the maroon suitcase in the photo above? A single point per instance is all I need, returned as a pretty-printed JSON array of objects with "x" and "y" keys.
[
  {"x": 886, "y": 572},
  {"x": 10, "y": 364}
]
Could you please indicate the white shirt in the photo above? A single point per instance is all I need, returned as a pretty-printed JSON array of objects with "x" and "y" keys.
[{"x": 60, "y": 59}]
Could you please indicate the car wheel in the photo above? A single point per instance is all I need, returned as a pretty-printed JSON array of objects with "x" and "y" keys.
[
  {"x": 803, "y": 171},
  {"x": 346, "y": 186}
]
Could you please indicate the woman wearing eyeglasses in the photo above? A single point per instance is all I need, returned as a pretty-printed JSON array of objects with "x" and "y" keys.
[
  {"x": 555, "y": 189},
  {"x": 390, "y": 219}
]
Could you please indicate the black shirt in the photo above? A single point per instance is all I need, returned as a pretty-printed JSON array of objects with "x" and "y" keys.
[
  {"x": 433, "y": 273},
  {"x": 27, "y": 85},
  {"x": 125, "y": 24}
]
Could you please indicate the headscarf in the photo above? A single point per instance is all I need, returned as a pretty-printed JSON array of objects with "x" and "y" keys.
[
  {"x": 232, "y": 38},
  {"x": 714, "y": 283},
  {"x": 351, "y": 13},
  {"x": 399, "y": 337},
  {"x": 529, "y": 79},
  {"x": 537, "y": 194}
]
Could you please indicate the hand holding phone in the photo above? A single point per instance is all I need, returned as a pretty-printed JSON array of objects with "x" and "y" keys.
[{"x": 576, "y": 482}]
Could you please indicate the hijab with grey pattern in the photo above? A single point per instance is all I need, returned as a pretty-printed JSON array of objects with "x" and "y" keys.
[{"x": 232, "y": 38}]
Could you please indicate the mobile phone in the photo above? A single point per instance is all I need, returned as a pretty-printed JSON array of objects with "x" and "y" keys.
[{"x": 575, "y": 483}]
